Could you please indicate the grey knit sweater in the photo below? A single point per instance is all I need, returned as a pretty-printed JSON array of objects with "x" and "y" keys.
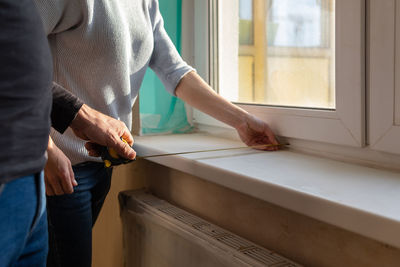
[{"x": 101, "y": 50}]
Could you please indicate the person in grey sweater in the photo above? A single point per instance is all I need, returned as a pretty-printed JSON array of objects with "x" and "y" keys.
[{"x": 101, "y": 50}]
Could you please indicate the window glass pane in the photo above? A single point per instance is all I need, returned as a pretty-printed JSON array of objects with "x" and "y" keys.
[
  {"x": 295, "y": 23},
  {"x": 246, "y": 22},
  {"x": 286, "y": 53}
]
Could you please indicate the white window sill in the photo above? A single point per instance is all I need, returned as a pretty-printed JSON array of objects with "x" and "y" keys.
[{"x": 360, "y": 199}]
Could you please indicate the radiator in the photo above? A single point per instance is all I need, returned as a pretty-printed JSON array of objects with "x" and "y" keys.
[{"x": 158, "y": 234}]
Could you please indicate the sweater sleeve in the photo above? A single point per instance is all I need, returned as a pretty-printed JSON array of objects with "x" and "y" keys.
[
  {"x": 64, "y": 109},
  {"x": 165, "y": 60},
  {"x": 60, "y": 15}
]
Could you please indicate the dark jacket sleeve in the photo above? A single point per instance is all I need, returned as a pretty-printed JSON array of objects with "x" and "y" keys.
[{"x": 65, "y": 108}]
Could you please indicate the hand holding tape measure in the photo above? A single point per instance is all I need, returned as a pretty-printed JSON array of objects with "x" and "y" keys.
[{"x": 111, "y": 158}]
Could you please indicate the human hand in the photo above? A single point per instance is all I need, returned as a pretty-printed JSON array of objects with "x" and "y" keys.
[
  {"x": 101, "y": 129},
  {"x": 254, "y": 131},
  {"x": 58, "y": 173}
]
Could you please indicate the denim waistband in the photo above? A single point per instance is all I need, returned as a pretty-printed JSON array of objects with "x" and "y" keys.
[{"x": 88, "y": 164}]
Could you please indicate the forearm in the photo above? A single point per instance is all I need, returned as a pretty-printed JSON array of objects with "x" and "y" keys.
[{"x": 196, "y": 92}]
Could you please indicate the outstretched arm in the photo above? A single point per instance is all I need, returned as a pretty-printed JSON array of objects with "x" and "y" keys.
[{"x": 196, "y": 92}]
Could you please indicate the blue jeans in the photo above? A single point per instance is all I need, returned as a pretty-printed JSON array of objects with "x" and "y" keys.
[
  {"x": 71, "y": 217},
  {"x": 23, "y": 222}
]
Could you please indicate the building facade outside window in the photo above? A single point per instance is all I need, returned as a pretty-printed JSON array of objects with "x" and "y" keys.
[{"x": 286, "y": 53}]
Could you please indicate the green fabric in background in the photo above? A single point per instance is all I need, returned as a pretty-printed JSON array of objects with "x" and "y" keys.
[{"x": 160, "y": 112}]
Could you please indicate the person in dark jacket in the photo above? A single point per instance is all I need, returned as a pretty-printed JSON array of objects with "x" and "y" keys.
[{"x": 29, "y": 104}]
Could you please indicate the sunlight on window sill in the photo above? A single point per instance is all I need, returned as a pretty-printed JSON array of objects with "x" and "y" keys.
[{"x": 356, "y": 198}]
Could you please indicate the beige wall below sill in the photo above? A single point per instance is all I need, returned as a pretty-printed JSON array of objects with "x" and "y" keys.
[{"x": 300, "y": 238}]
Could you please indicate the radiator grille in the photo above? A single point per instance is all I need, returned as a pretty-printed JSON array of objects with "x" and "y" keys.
[{"x": 258, "y": 254}]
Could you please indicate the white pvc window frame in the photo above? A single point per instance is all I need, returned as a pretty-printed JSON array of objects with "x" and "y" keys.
[
  {"x": 346, "y": 124},
  {"x": 384, "y": 80}
]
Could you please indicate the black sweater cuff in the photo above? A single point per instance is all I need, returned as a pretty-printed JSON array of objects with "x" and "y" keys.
[{"x": 64, "y": 109}]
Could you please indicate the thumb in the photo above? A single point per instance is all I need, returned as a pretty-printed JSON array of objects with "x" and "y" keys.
[{"x": 123, "y": 149}]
